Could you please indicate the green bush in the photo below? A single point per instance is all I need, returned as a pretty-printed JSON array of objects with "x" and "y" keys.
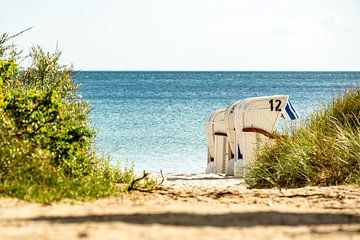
[
  {"x": 325, "y": 150},
  {"x": 48, "y": 124},
  {"x": 46, "y": 144}
]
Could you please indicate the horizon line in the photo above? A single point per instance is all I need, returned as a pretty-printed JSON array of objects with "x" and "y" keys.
[{"x": 91, "y": 70}]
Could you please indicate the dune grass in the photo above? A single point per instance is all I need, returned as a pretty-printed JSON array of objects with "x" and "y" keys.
[{"x": 324, "y": 150}]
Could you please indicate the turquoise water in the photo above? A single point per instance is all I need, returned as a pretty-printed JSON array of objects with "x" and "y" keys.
[{"x": 156, "y": 119}]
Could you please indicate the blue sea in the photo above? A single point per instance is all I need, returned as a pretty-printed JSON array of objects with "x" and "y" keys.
[{"x": 156, "y": 119}]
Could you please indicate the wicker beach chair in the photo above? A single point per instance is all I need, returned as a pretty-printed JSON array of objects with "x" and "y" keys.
[
  {"x": 217, "y": 142},
  {"x": 256, "y": 120}
]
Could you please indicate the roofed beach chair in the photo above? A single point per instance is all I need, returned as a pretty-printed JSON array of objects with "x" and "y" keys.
[
  {"x": 217, "y": 142},
  {"x": 230, "y": 131},
  {"x": 256, "y": 120}
]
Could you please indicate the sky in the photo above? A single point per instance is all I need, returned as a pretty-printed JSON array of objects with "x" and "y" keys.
[{"x": 194, "y": 35}]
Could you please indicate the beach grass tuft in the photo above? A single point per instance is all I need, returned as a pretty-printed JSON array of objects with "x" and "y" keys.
[{"x": 324, "y": 150}]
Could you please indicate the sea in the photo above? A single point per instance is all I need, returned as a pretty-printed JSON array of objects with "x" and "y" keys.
[{"x": 156, "y": 120}]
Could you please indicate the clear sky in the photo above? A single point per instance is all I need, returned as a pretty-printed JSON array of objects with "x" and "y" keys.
[{"x": 214, "y": 35}]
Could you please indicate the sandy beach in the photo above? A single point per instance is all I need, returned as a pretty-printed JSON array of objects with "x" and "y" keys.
[{"x": 190, "y": 206}]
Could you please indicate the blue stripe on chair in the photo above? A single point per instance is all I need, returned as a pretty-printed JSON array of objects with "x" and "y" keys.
[
  {"x": 290, "y": 112},
  {"x": 240, "y": 156},
  {"x": 293, "y": 109}
]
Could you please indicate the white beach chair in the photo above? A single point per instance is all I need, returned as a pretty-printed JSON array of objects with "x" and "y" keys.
[
  {"x": 217, "y": 142},
  {"x": 231, "y": 134},
  {"x": 255, "y": 120}
]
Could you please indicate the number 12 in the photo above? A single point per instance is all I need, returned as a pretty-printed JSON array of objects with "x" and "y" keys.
[{"x": 277, "y": 107}]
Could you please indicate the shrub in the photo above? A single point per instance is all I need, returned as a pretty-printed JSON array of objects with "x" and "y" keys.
[
  {"x": 46, "y": 123},
  {"x": 325, "y": 150},
  {"x": 46, "y": 144}
]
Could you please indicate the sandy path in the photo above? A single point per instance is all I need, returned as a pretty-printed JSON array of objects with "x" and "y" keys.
[{"x": 193, "y": 207}]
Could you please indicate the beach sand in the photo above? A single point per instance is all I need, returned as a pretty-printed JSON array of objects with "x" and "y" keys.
[{"x": 192, "y": 206}]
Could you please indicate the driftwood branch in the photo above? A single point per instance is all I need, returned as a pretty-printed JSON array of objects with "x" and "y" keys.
[
  {"x": 132, "y": 187},
  {"x": 133, "y": 182},
  {"x": 163, "y": 178}
]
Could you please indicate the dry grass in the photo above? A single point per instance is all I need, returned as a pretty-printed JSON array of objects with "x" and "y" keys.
[{"x": 325, "y": 150}]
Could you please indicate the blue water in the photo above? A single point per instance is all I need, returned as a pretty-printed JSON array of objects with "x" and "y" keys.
[{"x": 156, "y": 119}]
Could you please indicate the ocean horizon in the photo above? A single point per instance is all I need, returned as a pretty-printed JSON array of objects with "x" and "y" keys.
[{"x": 156, "y": 119}]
